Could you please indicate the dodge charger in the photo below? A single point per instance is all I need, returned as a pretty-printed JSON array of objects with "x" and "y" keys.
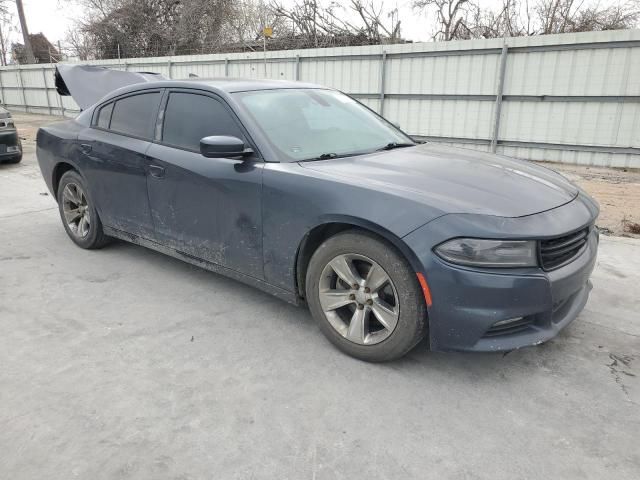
[{"x": 305, "y": 193}]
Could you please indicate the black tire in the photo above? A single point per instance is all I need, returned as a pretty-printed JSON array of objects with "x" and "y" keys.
[
  {"x": 95, "y": 238},
  {"x": 411, "y": 326}
]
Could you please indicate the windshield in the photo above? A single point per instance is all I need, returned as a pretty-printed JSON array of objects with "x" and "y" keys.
[{"x": 305, "y": 124}]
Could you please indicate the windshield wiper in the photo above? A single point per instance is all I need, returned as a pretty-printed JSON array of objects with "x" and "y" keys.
[
  {"x": 325, "y": 156},
  {"x": 328, "y": 156},
  {"x": 392, "y": 145}
]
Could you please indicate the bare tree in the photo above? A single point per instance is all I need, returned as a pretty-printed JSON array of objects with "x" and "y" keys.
[
  {"x": 199, "y": 24},
  {"x": 113, "y": 28},
  {"x": 372, "y": 17},
  {"x": 362, "y": 21},
  {"x": 247, "y": 20},
  {"x": 562, "y": 16},
  {"x": 166, "y": 27},
  {"x": 25, "y": 33},
  {"x": 461, "y": 19},
  {"x": 311, "y": 20},
  {"x": 80, "y": 44},
  {"x": 6, "y": 28},
  {"x": 452, "y": 19},
  {"x": 510, "y": 20}
]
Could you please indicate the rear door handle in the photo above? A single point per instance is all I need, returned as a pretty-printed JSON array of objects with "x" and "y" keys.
[
  {"x": 85, "y": 147},
  {"x": 157, "y": 171}
]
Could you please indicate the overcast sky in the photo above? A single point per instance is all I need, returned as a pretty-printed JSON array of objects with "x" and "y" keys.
[
  {"x": 54, "y": 17},
  {"x": 51, "y": 17}
]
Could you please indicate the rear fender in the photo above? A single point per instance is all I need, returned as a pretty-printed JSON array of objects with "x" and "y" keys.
[{"x": 56, "y": 145}]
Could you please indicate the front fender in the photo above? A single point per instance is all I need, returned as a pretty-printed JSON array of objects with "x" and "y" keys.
[
  {"x": 373, "y": 227},
  {"x": 298, "y": 200}
]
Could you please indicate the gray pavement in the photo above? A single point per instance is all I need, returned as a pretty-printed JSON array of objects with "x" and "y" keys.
[{"x": 124, "y": 363}]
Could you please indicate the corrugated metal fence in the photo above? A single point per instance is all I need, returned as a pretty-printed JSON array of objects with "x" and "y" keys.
[{"x": 572, "y": 98}]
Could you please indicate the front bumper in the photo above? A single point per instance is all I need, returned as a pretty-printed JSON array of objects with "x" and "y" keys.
[{"x": 468, "y": 302}]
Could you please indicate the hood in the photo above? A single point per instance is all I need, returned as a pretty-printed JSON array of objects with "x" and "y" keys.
[
  {"x": 456, "y": 180},
  {"x": 87, "y": 84}
]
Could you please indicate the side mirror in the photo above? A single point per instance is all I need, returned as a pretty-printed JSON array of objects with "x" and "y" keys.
[
  {"x": 223, "y": 147},
  {"x": 397, "y": 125}
]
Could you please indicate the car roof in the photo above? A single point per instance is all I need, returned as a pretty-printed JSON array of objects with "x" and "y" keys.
[
  {"x": 225, "y": 84},
  {"x": 245, "y": 84}
]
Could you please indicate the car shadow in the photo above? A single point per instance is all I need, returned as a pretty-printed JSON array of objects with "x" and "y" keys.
[
  {"x": 6, "y": 166},
  {"x": 419, "y": 361},
  {"x": 206, "y": 277}
]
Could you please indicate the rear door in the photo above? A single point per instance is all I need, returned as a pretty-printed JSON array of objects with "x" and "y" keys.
[
  {"x": 210, "y": 208},
  {"x": 115, "y": 165}
]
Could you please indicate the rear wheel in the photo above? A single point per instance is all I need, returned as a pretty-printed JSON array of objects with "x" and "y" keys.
[
  {"x": 78, "y": 213},
  {"x": 365, "y": 297}
]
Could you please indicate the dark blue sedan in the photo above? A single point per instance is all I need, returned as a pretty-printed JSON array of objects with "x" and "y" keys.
[{"x": 305, "y": 193}]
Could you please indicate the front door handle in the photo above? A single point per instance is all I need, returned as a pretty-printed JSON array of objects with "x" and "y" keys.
[
  {"x": 85, "y": 147},
  {"x": 157, "y": 171}
]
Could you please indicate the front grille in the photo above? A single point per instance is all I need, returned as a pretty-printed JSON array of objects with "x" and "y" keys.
[{"x": 560, "y": 250}]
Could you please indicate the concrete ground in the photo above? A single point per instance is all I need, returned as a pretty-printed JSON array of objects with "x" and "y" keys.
[{"x": 124, "y": 363}]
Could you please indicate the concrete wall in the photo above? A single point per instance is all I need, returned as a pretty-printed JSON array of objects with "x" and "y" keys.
[{"x": 572, "y": 98}]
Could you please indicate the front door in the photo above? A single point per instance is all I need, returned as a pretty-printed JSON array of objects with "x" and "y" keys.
[{"x": 209, "y": 208}]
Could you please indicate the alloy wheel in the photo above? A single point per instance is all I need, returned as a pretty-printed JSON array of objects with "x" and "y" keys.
[
  {"x": 76, "y": 210},
  {"x": 359, "y": 299}
]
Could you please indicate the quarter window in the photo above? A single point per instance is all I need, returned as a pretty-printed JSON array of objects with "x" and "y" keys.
[
  {"x": 135, "y": 115},
  {"x": 189, "y": 117},
  {"x": 104, "y": 116}
]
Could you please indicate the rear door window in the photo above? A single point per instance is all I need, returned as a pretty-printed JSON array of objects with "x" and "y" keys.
[
  {"x": 189, "y": 117},
  {"x": 136, "y": 115}
]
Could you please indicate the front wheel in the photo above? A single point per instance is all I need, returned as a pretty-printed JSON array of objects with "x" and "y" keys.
[
  {"x": 78, "y": 213},
  {"x": 365, "y": 297}
]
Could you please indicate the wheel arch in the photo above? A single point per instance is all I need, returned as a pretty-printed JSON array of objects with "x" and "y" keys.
[
  {"x": 58, "y": 171},
  {"x": 323, "y": 231}
]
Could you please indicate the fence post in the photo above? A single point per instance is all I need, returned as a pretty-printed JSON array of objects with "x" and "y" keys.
[
  {"x": 169, "y": 68},
  {"x": 226, "y": 67},
  {"x": 498, "y": 107},
  {"x": 24, "y": 97},
  {"x": 46, "y": 90},
  {"x": 297, "y": 71},
  {"x": 2, "y": 89},
  {"x": 383, "y": 63}
]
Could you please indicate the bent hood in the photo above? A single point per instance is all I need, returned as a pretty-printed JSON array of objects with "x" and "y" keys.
[
  {"x": 87, "y": 84},
  {"x": 456, "y": 180}
]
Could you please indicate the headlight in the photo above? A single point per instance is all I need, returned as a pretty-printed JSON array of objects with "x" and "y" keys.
[{"x": 489, "y": 253}]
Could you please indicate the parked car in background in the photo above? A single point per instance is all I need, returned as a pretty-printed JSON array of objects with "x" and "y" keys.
[
  {"x": 10, "y": 144},
  {"x": 305, "y": 193}
]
